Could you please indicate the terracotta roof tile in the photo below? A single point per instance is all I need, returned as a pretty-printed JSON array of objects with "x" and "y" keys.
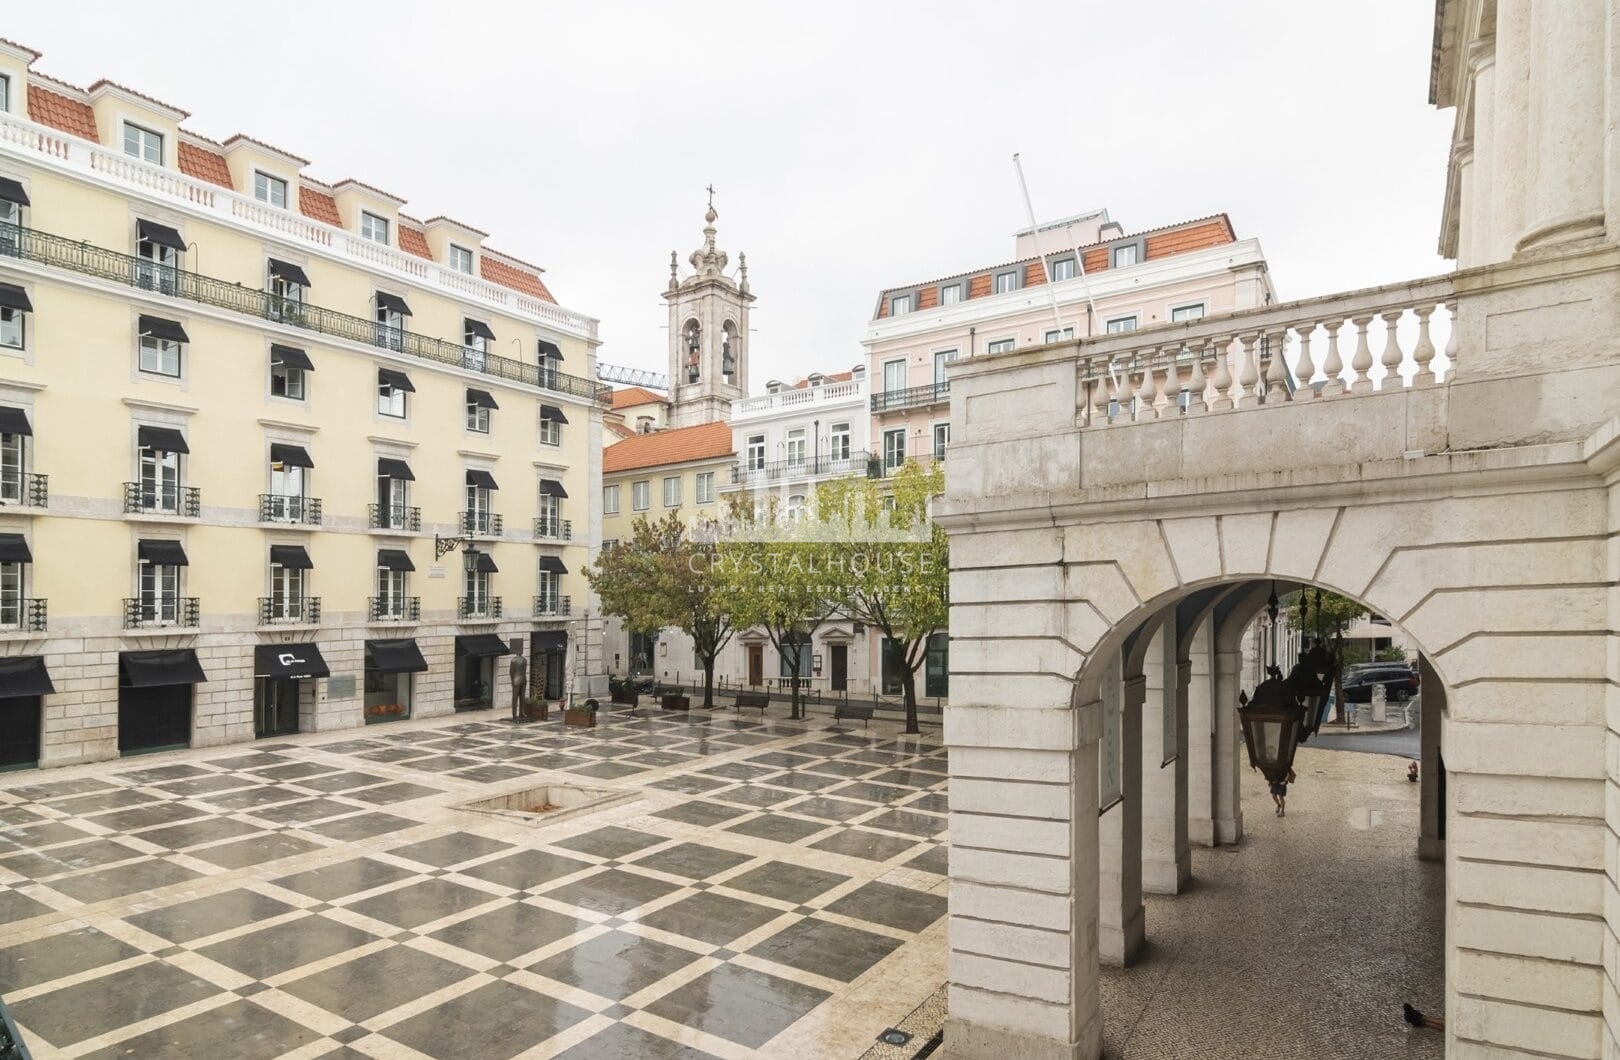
[
  {"x": 60, "y": 112},
  {"x": 318, "y": 206},
  {"x": 412, "y": 241},
  {"x": 706, "y": 441},
  {"x": 625, "y": 397},
  {"x": 197, "y": 161},
  {"x": 517, "y": 279},
  {"x": 619, "y": 429}
]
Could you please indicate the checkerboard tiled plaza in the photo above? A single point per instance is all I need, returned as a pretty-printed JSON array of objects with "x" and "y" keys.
[{"x": 771, "y": 888}]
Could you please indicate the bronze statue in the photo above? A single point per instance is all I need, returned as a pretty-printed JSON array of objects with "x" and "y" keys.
[{"x": 519, "y": 669}]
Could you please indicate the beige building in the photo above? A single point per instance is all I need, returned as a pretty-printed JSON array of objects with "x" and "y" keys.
[{"x": 274, "y": 455}]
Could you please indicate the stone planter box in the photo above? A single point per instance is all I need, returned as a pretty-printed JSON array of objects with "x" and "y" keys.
[
  {"x": 673, "y": 701},
  {"x": 580, "y": 719}
]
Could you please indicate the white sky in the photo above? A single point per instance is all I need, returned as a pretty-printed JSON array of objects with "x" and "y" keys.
[{"x": 854, "y": 146}]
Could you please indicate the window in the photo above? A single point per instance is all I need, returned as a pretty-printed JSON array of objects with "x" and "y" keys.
[
  {"x": 160, "y": 480},
  {"x": 756, "y": 452},
  {"x": 950, "y": 294},
  {"x": 1000, "y": 346},
  {"x": 390, "y": 399},
  {"x": 795, "y": 507},
  {"x": 272, "y": 190},
  {"x": 5, "y": 94},
  {"x": 549, "y": 591},
  {"x": 160, "y": 355},
  {"x": 942, "y": 438},
  {"x": 11, "y": 219},
  {"x": 1126, "y": 255},
  {"x": 672, "y": 491},
  {"x": 1006, "y": 281},
  {"x": 13, "y": 459},
  {"x": 12, "y": 609},
  {"x": 286, "y": 592},
  {"x": 13, "y": 319},
  {"x": 610, "y": 500},
  {"x": 477, "y": 590},
  {"x": 158, "y": 247},
  {"x": 391, "y": 586},
  {"x": 550, "y": 524},
  {"x": 479, "y": 520},
  {"x": 288, "y": 484},
  {"x": 1063, "y": 269},
  {"x": 703, "y": 487},
  {"x": 795, "y": 656},
  {"x": 838, "y": 441},
  {"x": 1120, "y": 325},
  {"x": 795, "y": 447},
  {"x": 1054, "y": 335},
  {"x": 391, "y": 312},
  {"x": 461, "y": 259},
  {"x": 373, "y": 227},
  {"x": 640, "y": 495},
  {"x": 894, "y": 448},
  {"x": 286, "y": 283},
  {"x": 894, "y": 375},
  {"x": 899, "y": 304},
  {"x": 143, "y": 144},
  {"x": 1187, "y": 312},
  {"x": 476, "y": 337},
  {"x": 477, "y": 417},
  {"x": 393, "y": 498},
  {"x": 159, "y": 593},
  {"x": 550, "y": 432},
  {"x": 287, "y": 374},
  {"x": 609, "y": 544},
  {"x": 941, "y": 359}
]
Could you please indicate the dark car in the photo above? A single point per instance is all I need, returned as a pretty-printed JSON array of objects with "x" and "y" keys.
[{"x": 1400, "y": 683}]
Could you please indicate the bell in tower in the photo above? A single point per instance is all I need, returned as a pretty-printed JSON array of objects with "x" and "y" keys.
[{"x": 708, "y": 328}]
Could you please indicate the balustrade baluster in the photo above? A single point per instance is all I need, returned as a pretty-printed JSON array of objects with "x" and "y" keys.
[
  {"x": 1392, "y": 356},
  {"x": 1223, "y": 374},
  {"x": 1198, "y": 399},
  {"x": 1172, "y": 380},
  {"x": 1423, "y": 352},
  {"x": 1305, "y": 368},
  {"x": 1248, "y": 370},
  {"x": 1362, "y": 361},
  {"x": 1144, "y": 391},
  {"x": 1100, "y": 399},
  {"x": 1276, "y": 365},
  {"x": 1334, "y": 366},
  {"x": 1451, "y": 340}
]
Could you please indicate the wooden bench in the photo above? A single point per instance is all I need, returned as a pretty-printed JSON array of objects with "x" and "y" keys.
[
  {"x": 758, "y": 700},
  {"x": 854, "y": 712},
  {"x": 672, "y": 697},
  {"x": 627, "y": 695}
]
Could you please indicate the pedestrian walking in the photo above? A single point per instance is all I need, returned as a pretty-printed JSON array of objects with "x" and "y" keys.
[{"x": 1279, "y": 793}]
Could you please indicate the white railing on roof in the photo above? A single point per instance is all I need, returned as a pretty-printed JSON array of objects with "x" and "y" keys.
[
  {"x": 810, "y": 395},
  {"x": 76, "y": 154}
]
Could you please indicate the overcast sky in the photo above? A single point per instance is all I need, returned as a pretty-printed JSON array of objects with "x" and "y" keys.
[{"x": 854, "y": 146}]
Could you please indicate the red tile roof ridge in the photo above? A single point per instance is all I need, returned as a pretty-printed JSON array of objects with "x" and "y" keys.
[
  {"x": 676, "y": 445},
  {"x": 458, "y": 224},
  {"x": 245, "y": 138},
  {"x": 109, "y": 83},
  {"x": 72, "y": 91},
  {"x": 369, "y": 187},
  {"x": 198, "y": 138},
  {"x": 630, "y": 396},
  {"x": 23, "y": 48},
  {"x": 512, "y": 259}
]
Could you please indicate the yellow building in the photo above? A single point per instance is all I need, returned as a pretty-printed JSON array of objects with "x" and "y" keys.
[{"x": 274, "y": 456}]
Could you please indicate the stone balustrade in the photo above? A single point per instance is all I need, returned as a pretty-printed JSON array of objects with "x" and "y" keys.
[{"x": 1312, "y": 349}]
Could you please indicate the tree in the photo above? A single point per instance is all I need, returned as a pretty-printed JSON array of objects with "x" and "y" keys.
[
  {"x": 1326, "y": 615},
  {"x": 894, "y": 573},
  {"x": 658, "y": 578}
]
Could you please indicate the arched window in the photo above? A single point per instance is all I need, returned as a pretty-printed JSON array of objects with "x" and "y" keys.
[
  {"x": 693, "y": 343},
  {"x": 730, "y": 346}
]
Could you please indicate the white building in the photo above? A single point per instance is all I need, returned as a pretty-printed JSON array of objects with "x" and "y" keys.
[{"x": 798, "y": 434}]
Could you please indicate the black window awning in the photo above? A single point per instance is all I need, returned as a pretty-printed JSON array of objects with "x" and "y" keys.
[
  {"x": 395, "y": 656},
  {"x": 550, "y": 487},
  {"x": 394, "y": 559},
  {"x": 551, "y": 640},
  {"x": 14, "y": 297},
  {"x": 162, "y": 235},
  {"x": 549, "y": 351},
  {"x": 295, "y": 557},
  {"x": 393, "y": 303},
  {"x": 481, "y": 398},
  {"x": 163, "y": 439},
  {"x": 290, "y": 455},
  {"x": 481, "y": 644},
  {"x": 289, "y": 272},
  {"x": 291, "y": 356},
  {"x": 24, "y": 675},
  {"x": 397, "y": 380},
  {"x": 478, "y": 328},
  {"x": 388, "y": 467},
  {"x": 158, "y": 328},
  {"x": 12, "y": 191},
  {"x": 480, "y": 477},
  {"x": 146, "y": 669},
  {"x": 484, "y": 563},
  {"x": 163, "y": 553},
  {"x": 295, "y": 661},
  {"x": 552, "y": 412},
  {"x": 14, "y": 549},
  {"x": 553, "y": 565},
  {"x": 14, "y": 421}
]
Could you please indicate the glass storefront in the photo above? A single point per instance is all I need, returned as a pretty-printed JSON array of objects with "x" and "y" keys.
[{"x": 390, "y": 666}]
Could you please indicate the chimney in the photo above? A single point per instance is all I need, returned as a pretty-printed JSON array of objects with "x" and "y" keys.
[{"x": 644, "y": 424}]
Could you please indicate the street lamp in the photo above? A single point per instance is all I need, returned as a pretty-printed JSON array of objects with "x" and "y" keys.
[
  {"x": 1272, "y": 721},
  {"x": 1311, "y": 682}
]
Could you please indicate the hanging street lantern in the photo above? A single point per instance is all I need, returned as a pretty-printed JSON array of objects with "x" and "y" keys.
[
  {"x": 1272, "y": 721},
  {"x": 1311, "y": 683}
]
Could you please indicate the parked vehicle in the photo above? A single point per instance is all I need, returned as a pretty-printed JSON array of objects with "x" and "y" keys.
[{"x": 1400, "y": 683}]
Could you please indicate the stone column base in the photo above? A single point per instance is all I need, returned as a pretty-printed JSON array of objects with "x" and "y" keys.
[
  {"x": 1201, "y": 832},
  {"x": 966, "y": 1040},
  {"x": 1166, "y": 877},
  {"x": 1229, "y": 830},
  {"x": 1118, "y": 946}
]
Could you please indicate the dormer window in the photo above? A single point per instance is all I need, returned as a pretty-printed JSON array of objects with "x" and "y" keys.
[
  {"x": 272, "y": 190},
  {"x": 1063, "y": 269},
  {"x": 950, "y": 294},
  {"x": 5, "y": 94},
  {"x": 1126, "y": 255},
  {"x": 461, "y": 259},
  {"x": 143, "y": 144},
  {"x": 1006, "y": 281},
  {"x": 899, "y": 304},
  {"x": 373, "y": 228}
]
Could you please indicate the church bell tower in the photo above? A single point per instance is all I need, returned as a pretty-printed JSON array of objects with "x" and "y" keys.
[{"x": 708, "y": 332}]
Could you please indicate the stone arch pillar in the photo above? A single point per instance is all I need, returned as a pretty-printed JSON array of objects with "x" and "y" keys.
[
  {"x": 1166, "y": 856},
  {"x": 1121, "y": 927},
  {"x": 1431, "y": 768},
  {"x": 1200, "y": 663}
]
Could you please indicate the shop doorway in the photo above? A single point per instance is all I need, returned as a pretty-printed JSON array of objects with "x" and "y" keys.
[
  {"x": 839, "y": 675},
  {"x": 476, "y": 655},
  {"x": 19, "y": 732},
  {"x": 548, "y": 653},
  {"x": 756, "y": 665},
  {"x": 154, "y": 699},
  {"x": 275, "y": 707}
]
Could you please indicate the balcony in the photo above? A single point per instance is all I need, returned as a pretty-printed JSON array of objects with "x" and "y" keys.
[
  {"x": 794, "y": 398},
  {"x": 289, "y": 610},
  {"x": 856, "y": 463},
  {"x": 553, "y": 606},
  {"x": 22, "y": 614},
  {"x": 914, "y": 397},
  {"x": 24, "y": 489},
  {"x": 157, "y": 612},
  {"x": 183, "y": 502},
  {"x": 276, "y": 508},
  {"x": 394, "y": 609},
  {"x": 478, "y": 607},
  {"x": 481, "y": 524},
  {"x": 550, "y": 528},
  {"x": 395, "y": 517}
]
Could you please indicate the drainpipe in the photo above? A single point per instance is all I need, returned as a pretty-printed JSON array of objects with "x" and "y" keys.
[{"x": 973, "y": 344}]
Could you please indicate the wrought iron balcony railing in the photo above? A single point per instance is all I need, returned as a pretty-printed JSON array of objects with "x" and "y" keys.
[
  {"x": 809, "y": 467},
  {"x": 395, "y": 608},
  {"x": 274, "y": 610},
  {"x": 145, "y": 612},
  {"x": 141, "y": 499},
  {"x": 553, "y": 529},
  {"x": 22, "y": 614},
  {"x": 279, "y": 508},
  {"x": 27, "y": 488},
  {"x": 482, "y": 524},
  {"x": 30, "y": 244},
  {"x": 553, "y": 606},
  {"x": 911, "y": 397},
  {"x": 395, "y": 517},
  {"x": 478, "y": 607}
]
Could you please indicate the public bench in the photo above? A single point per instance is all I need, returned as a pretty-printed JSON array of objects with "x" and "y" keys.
[
  {"x": 861, "y": 712},
  {"x": 757, "y": 700},
  {"x": 672, "y": 697}
]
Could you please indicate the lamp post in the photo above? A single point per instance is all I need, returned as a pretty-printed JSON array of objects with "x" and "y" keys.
[{"x": 1272, "y": 722}]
